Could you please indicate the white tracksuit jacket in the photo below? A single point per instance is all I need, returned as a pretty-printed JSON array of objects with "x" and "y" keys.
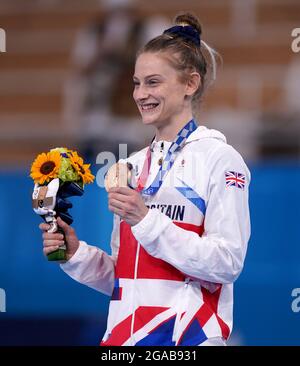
[{"x": 170, "y": 277}]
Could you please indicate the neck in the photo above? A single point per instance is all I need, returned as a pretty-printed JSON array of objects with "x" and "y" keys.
[{"x": 169, "y": 131}]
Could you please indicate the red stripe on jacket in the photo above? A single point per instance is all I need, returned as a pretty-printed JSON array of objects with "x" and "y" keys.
[{"x": 148, "y": 266}]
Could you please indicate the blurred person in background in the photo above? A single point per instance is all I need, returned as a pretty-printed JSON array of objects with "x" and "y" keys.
[
  {"x": 273, "y": 139},
  {"x": 180, "y": 237},
  {"x": 97, "y": 104}
]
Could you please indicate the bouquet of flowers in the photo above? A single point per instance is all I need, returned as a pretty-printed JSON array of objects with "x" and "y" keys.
[{"x": 58, "y": 175}]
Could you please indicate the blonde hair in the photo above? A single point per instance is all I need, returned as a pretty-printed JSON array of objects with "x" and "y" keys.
[{"x": 189, "y": 52}]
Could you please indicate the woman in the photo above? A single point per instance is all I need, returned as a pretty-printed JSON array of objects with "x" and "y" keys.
[{"x": 179, "y": 239}]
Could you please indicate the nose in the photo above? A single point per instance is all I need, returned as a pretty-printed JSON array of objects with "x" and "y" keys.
[{"x": 140, "y": 93}]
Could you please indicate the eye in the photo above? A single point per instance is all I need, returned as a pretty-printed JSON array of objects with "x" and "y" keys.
[
  {"x": 152, "y": 82},
  {"x": 135, "y": 83}
]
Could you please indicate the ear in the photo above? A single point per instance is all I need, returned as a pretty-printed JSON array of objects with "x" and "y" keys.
[{"x": 193, "y": 83}]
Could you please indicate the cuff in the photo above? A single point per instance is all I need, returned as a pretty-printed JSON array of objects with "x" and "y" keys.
[{"x": 150, "y": 227}]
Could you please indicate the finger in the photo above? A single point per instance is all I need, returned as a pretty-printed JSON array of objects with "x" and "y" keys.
[
  {"x": 44, "y": 226},
  {"x": 51, "y": 249},
  {"x": 51, "y": 243},
  {"x": 117, "y": 204},
  {"x": 122, "y": 190},
  {"x": 53, "y": 236},
  {"x": 118, "y": 196},
  {"x": 117, "y": 211},
  {"x": 66, "y": 228}
]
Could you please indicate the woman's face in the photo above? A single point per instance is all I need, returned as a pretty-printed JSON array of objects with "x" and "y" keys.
[{"x": 158, "y": 92}]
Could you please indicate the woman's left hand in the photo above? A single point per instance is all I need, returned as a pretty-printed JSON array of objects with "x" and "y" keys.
[{"x": 128, "y": 204}]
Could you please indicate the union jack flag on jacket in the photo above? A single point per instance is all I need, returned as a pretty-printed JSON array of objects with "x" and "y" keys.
[{"x": 170, "y": 277}]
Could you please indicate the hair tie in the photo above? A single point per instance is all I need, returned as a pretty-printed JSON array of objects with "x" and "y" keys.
[{"x": 185, "y": 31}]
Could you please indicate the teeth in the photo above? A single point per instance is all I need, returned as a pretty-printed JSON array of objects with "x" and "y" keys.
[{"x": 147, "y": 107}]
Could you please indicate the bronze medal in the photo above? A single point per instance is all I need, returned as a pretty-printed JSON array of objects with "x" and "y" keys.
[{"x": 118, "y": 175}]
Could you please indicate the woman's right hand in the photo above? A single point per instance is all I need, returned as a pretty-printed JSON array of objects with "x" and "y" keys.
[{"x": 52, "y": 241}]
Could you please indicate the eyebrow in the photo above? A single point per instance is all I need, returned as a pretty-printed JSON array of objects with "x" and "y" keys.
[{"x": 148, "y": 76}]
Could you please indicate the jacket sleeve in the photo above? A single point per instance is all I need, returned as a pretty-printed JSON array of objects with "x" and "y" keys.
[
  {"x": 218, "y": 255},
  {"x": 92, "y": 266}
]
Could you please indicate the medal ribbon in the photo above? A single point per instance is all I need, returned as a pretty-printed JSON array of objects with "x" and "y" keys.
[{"x": 167, "y": 163}]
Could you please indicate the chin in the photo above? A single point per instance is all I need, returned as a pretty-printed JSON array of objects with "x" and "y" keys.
[{"x": 149, "y": 120}]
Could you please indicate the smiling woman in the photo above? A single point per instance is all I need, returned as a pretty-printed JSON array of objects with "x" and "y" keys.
[{"x": 180, "y": 234}]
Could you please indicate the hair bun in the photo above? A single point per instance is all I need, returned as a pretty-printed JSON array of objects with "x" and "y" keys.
[{"x": 188, "y": 19}]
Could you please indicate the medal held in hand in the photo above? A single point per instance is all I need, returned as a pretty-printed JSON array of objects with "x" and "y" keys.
[
  {"x": 58, "y": 175},
  {"x": 119, "y": 175}
]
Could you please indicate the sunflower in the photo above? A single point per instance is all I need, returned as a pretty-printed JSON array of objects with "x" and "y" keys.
[
  {"x": 45, "y": 167},
  {"x": 82, "y": 169}
]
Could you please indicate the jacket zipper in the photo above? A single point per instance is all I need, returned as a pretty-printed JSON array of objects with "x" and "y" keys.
[
  {"x": 180, "y": 309},
  {"x": 133, "y": 294}
]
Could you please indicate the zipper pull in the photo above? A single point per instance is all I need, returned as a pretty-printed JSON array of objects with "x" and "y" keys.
[
  {"x": 162, "y": 146},
  {"x": 186, "y": 282}
]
